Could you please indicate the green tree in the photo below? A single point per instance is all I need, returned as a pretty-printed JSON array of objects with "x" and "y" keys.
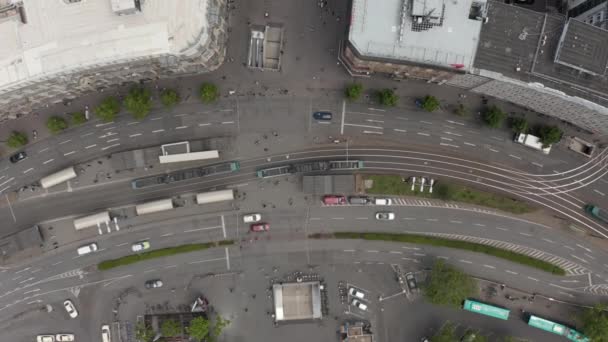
[
  {"x": 447, "y": 333},
  {"x": 209, "y": 93},
  {"x": 494, "y": 117},
  {"x": 430, "y": 103},
  {"x": 16, "y": 139},
  {"x": 448, "y": 285},
  {"x": 107, "y": 109},
  {"x": 138, "y": 102},
  {"x": 549, "y": 135},
  {"x": 199, "y": 328},
  {"x": 218, "y": 326},
  {"x": 169, "y": 97},
  {"x": 473, "y": 336},
  {"x": 354, "y": 91},
  {"x": 595, "y": 323},
  {"x": 171, "y": 328},
  {"x": 461, "y": 110},
  {"x": 78, "y": 118},
  {"x": 144, "y": 333},
  {"x": 519, "y": 125},
  {"x": 387, "y": 97},
  {"x": 56, "y": 124}
]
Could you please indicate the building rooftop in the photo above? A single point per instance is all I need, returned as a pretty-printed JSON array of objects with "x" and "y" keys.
[
  {"x": 432, "y": 32},
  {"x": 583, "y": 47},
  {"x": 53, "y": 37},
  {"x": 522, "y": 44},
  {"x": 297, "y": 301}
]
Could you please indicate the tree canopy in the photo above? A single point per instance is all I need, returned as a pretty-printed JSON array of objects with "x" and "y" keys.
[
  {"x": 209, "y": 93},
  {"x": 448, "y": 285},
  {"x": 170, "y": 328},
  {"x": 107, "y": 109},
  {"x": 387, "y": 97},
  {"x": 461, "y": 110},
  {"x": 549, "y": 135},
  {"x": 354, "y": 91},
  {"x": 16, "y": 139},
  {"x": 169, "y": 97},
  {"x": 78, "y": 118},
  {"x": 447, "y": 333},
  {"x": 201, "y": 329},
  {"x": 143, "y": 332},
  {"x": 56, "y": 124},
  {"x": 494, "y": 117},
  {"x": 430, "y": 103},
  {"x": 595, "y": 324},
  {"x": 138, "y": 102},
  {"x": 519, "y": 125}
]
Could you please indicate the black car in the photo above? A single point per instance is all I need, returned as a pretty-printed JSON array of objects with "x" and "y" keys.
[
  {"x": 325, "y": 116},
  {"x": 17, "y": 157},
  {"x": 153, "y": 284}
]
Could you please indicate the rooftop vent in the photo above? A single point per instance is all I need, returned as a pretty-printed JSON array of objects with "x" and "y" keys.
[{"x": 125, "y": 7}]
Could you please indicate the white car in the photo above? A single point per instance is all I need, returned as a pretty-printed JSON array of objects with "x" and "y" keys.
[
  {"x": 356, "y": 303},
  {"x": 64, "y": 337},
  {"x": 356, "y": 293},
  {"x": 86, "y": 249},
  {"x": 140, "y": 246},
  {"x": 385, "y": 216},
  {"x": 70, "y": 308},
  {"x": 105, "y": 333},
  {"x": 383, "y": 201},
  {"x": 252, "y": 218},
  {"x": 45, "y": 338}
]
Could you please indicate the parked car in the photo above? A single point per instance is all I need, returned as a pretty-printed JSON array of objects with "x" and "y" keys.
[
  {"x": 140, "y": 246},
  {"x": 251, "y": 218},
  {"x": 412, "y": 284},
  {"x": 86, "y": 249},
  {"x": 153, "y": 284},
  {"x": 358, "y": 200},
  {"x": 17, "y": 157},
  {"x": 334, "y": 199},
  {"x": 383, "y": 201},
  {"x": 385, "y": 216},
  {"x": 105, "y": 333},
  {"x": 260, "y": 227},
  {"x": 70, "y": 308},
  {"x": 356, "y": 293},
  {"x": 45, "y": 338},
  {"x": 324, "y": 116},
  {"x": 356, "y": 303},
  {"x": 64, "y": 337}
]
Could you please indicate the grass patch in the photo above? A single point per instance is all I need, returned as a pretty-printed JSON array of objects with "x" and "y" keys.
[
  {"x": 457, "y": 244},
  {"x": 394, "y": 185},
  {"x": 159, "y": 253}
]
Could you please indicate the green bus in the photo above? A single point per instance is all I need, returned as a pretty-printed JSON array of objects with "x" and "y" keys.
[
  {"x": 556, "y": 328},
  {"x": 485, "y": 309}
]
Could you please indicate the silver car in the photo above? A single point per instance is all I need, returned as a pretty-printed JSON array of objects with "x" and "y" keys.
[{"x": 385, "y": 216}]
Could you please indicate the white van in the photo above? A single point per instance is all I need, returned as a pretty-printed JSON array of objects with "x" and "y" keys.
[
  {"x": 105, "y": 333},
  {"x": 383, "y": 201},
  {"x": 86, "y": 249}
]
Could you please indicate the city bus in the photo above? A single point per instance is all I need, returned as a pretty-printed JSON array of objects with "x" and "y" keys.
[
  {"x": 556, "y": 328},
  {"x": 485, "y": 309}
]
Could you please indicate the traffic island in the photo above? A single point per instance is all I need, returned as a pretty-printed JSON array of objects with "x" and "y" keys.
[
  {"x": 159, "y": 253},
  {"x": 420, "y": 239}
]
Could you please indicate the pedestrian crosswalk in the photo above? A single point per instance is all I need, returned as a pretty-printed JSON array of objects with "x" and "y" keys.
[
  {"x": 412, "y": 202},
  {"x": 598, "y": 289},
  {"x": 570, "y": 267}
]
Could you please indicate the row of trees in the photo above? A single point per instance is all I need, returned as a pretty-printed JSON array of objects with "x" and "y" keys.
[
  {"x": 199, "y": 329},
  {"x": 495, "y": 117},
  {"x": 387, "y": 97}
]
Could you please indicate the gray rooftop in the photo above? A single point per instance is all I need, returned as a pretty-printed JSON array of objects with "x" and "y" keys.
[
  {"x": 513, "y": 38},
  {"x": 583, "y": 47},
  {"x": 391, "y": 29},
  {"x": 325, "y": 185}
]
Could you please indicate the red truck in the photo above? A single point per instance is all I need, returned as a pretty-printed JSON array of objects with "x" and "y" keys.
[{"x": 334, "y": 199}]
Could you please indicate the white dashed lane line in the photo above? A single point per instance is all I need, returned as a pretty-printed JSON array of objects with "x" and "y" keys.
[
  {"x": 525, "y": 234},
  {"x": 448, "y": 139},
  {"x": 568, "y": 247},
  {"x": 65, "y": 142},
  {"x": 549, "y": 241},
  {"x": 134, "y": 135},
  {"x": 489, "y": 266},
  {"x": 426, "y": 122},
  {"x": 479, "y": 224},
  {"x": 90, "y": 146},
  {"x": 337, "y": 218},
  {"x": 362, "y": 218},
  {"x": 158, "y": 131},
  {"x": 67, "y": 154},
  {"x": 409, "y": 218},
  {"x": 458, "y": 222},
  {"x": 424, "y": 134},
  {"x": 455, "y": 134},
  {"x": 511, "y": 272},
  {"x": 181, "y": 127},
  {"x": 28, "y": 170},
  {"x": 107, "y": 147},
  {"x": 349, "y": 250},
  {"x": 157, "y": 118},
  {"x": 537, "y": 164},
  {"x": 516, "y": 157},
  {"x": 505, "y": 229},
  {"x": 400, "y": 130},
  {"x": 396, "y": 252},
  {"x": 432, "y": 220},
  {"x": 468, "y": 143},
  {"x": 44, "y": 149},
  {"x": 133, "y": 123},
  {"x": 227, "y": 122},
  {"x": 204, "y": 124},
  {"x": 465, "y": 261},
  {"x": 450, "y": 145},
  {"x": 372, "y": 251},
  {"x": 48, "y": 161},
  {"x": 111, "y": 140},
  {"x": 532, "y": 278},
  {"x": 493, "y": 150}
]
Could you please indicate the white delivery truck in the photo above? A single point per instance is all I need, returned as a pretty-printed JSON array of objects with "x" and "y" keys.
[{"x": 532, "y": 142}]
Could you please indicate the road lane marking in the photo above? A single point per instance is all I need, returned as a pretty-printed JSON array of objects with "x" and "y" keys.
[
  {"x": 105, "y": 124},
  {"x": 343, "y": 115},
  {"x": 86, "y": 135},
  {"x": 23, "y": 270},
  {"x": 569, "y": 281},
  {"x": 31, "y": 291},
  {"x": 372, "y": 120},
  {"x": 156, "y": 118},
  {"x": 168, "y": 234},
  {"x": 511, "y": 272},
  {"x": 199, "y": 229},
  {"x": 207, "y": 260},
  {"x": 227, "y": 122},
  {"x": 115, "y": 139},
  {"x": 372, "y": 251},
  {"x": 479, "y": 224},
  {"x": 442, "y": 144},
  {"x": 134, "y": 135},
  {"x": 378, "y": 110},
  {"x": 109, "y": 128},
  {"x": 26, "y": 280},
  {"x": 372, "y": 132},
  {"x": 399, "y": 130},
  {"x": 223, "y": 226},
  {"x": 455, "y": 122},
  {"x": 426, "y": 122},
  {"x": 57, "y": 263},
  {"x": 489, "y": 266},
  {"x": 337, "y": 218},
  {"x": 48, "y": 161},
  {"x": 432, "y": 220},
  {"x": 442, "y": 257},
  {"x": 549, "y": 241},
  {"x": 465, "y": 261},
  {"x": 227, "y": 259},
  {"x": 599, "y": 192},
  {"x": 90, "y": 146},
  {"x": 448, "y": 139},
  {"x": 505, "y": 229},
  {"x": 171, "y": 266},
  {"x": 532, "y": 278},
  {"x": 28, "y": 170},
  {"x": 204, "y": 124},
  {"x": 424, "y": 134},
  {"x": 410, "y": 259},
  {"x": 362, "y": 218},
  {"x": 395, "y": 252},
  {"x": 579, "y": 258},
  {"x": 455, "y": 221},
  {"x": 65, "y": 142},
  {"x": 122, "y": 244},
  {"x": 181, "y": 127},
  {"x": 493, "y": 150},
  {"x": 570, "y": 248},
  {"x": 525, "y": 234},
  {"x": 349, "y": 250},
  {"x": 363, "y": 126},
  {"x": 583, "y": 247},
  {"x": 133, "y": 123},
  {"x": 419, "y": 254},
  {"x": 150, "y": 270},
  {"x": 513, "y": 156},
  {"x": 107, "y": 147},
  {"x": 158, "y": 131},
  {"x": 589, "y": 256},
  {"x": 409, "y": 218},
  {"x": 412, "y": 248},
  {"x": 496, "y": 138},
  {"x": 451, "y": 133},
  {"x": 537, "y": 164},
  {"x": 36, "y": 270},
  {"x": 67, "y": 154}
]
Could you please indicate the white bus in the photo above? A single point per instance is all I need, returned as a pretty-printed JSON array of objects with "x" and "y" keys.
[
  {"x": 154, "y": 206},
  {"x": 58, "y": 177},
  {"x": 92, "y": 220},
  {"x": 191, "y": 156},
  {"x": 215, "y": 196}
]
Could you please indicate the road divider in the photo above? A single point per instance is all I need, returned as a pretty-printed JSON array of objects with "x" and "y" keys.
[
  {"x": 443, "y": 242},
  {"x": 160, "y": 253}
]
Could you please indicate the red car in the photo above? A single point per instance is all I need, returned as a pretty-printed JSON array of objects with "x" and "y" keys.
[
  {"x": 260, "y": 227},
  {"x": 334, "y": 199}
]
